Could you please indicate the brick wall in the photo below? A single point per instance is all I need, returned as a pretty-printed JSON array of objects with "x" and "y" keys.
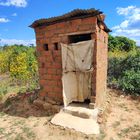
[
  {"x": 101, "y": 67},
  {"x": 50, "y": 64}
]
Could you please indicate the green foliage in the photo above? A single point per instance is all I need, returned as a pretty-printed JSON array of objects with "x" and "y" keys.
[
  {"x": 124, "y": 64},
  {"x": 19, "y": 60},
  {"x": 121, "y": 43},
  {"x": 3, "y": 86},
  {"x": 114, "y": 71},
  {"x": 130, "y": 81},
  {"x": 5, "y": 54},
  {"x": 124, "y": 73},
  {"x": 20, "y": 63},
  {"x": 132, "y": 63},
  {"x": 3, "y": 91},
  {"x": 23, "y": 64},
  {"x": 122, "y": 54}
]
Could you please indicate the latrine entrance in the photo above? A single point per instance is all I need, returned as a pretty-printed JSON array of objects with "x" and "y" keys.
[
  {"x": 77, "y": 63},
  {"x": 83, "y": 37}
]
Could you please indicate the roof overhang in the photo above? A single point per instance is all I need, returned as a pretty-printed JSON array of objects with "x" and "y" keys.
[{"x": 75, "y": 14}]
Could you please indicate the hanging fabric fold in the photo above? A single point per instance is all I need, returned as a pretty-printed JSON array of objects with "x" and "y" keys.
[{"x": 77, "y": 62}]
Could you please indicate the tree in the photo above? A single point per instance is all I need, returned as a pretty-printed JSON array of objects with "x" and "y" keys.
[
  {"x": 20, "y": 62},
  {"x": 23, "y": 63},
  {"x": 121, "y": 43}
]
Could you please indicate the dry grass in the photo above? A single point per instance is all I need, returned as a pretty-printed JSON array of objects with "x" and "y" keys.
[{"x": 21, "y": 120}]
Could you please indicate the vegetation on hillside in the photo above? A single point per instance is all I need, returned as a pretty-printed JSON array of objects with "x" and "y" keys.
[
  {"x": 19, "y": 69},
  {"x": 19, "y": 65},
  {"x": 124, "y": 65},
  {"x": 121, "y": 43}
]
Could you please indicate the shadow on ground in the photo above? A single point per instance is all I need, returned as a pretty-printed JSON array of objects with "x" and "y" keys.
[{"x": 21, "y": 105}]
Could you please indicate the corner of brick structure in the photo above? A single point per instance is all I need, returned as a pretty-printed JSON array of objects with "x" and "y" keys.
[{"x": 50, "y": 60}]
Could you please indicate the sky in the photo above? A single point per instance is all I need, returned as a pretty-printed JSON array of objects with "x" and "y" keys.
[{"x": 122, "y": 17}]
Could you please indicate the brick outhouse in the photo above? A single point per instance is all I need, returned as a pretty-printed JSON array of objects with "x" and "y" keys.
[{"x": 72, "y": 56}]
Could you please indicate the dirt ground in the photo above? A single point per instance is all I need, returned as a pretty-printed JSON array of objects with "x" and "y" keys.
[
  {"x": 123, "y": 123},
  {"x": 21, "y": 120}
]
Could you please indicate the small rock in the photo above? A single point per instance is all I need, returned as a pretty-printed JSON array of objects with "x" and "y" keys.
[
  {"x": 92, "y": 105},
  {"x": 122, "y": 96},
  {"x": 38, "y": 103},
  {"x": 100, "y": 120},
  {"x": 92, "y": 99},
  {"x": 7, "y": 109},
  {"x": 48, "y": 100},
  {"x": 129, "y": 97},
  {"x": 47, "y": 106},
  {"x": 84, "y": 115},
  {"x": 12, "y": 95},
  {"x": 59, "y": 103},
  {"x": 45, "y": 123},
  {"x": 56, "y": 108}
]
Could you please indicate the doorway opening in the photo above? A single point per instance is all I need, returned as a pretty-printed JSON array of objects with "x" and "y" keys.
[{"x": 77, "y": 63}]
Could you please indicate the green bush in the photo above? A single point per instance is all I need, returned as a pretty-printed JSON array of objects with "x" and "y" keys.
[
  {"x": 121, "y": 43},
  {"x": 115, "y": 69},
  {"x": 19, "y": 64},
  {"x": 130, "y": 81},
  {"x": 3, "y": 91},
  {"x": 124, "y": 73}
]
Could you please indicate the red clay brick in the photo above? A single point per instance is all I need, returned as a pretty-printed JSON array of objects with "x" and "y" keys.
[
  {"x": 51, "y": 71},
  {"x": 42, "y": 94},
  {"x": 59, "y": 71},
  {"x": 48, "y": 77},
  {"x": 51, "y": 74},
  {"x": 89, "y": 20},
  {"x": 57, "y": 89},
  {"x": 72, "y": 28},
  {"x": 59, "y": 84},
  {"x": 57, "y": 53},
  {"x": 76, "y": 22},
  {"x": 56, "y": 77},
  {"x": 87, "y": 27},
  {"x": 48, "y": 89},
  {"x": 60, "y": 25},
  {"x": 52, "y": 83},
  {"x": 42, "y": 82},
  {"x": 57, "y": 65},
  {"x": 51, "y": 27}
]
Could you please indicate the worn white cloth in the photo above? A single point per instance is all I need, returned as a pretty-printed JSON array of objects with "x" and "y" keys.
[{"x": 77, "y": 62}]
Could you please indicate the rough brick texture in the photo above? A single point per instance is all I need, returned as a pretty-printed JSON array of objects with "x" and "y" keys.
[
  {"x": 101, "y": 67},
  {"x": 50, "y": 63}
]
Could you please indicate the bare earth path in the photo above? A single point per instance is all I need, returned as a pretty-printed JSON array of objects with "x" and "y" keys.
[
  {"x": 123, "y": 122},
  {"x": 20, "y": 120}
]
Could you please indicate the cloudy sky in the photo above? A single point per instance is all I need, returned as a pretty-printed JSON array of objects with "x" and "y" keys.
[{"x": 122, "y": 16}]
